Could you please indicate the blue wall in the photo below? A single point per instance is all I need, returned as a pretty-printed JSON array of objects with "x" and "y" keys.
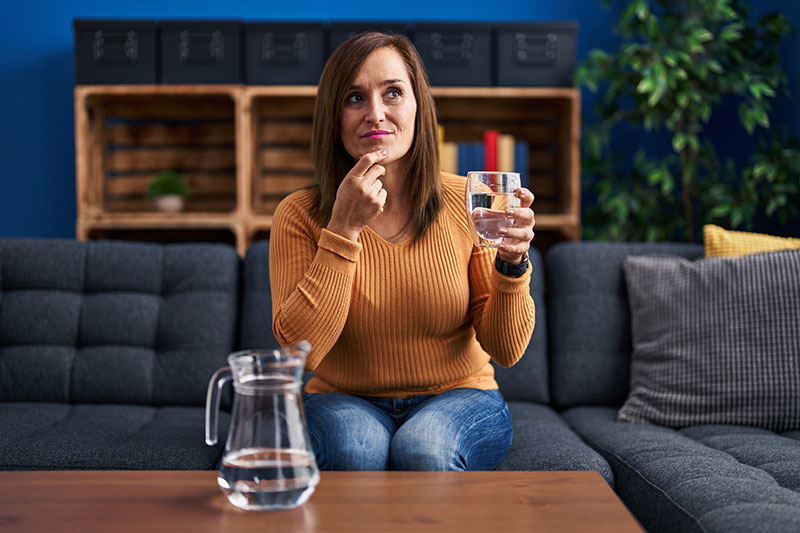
[{"x": 37, "y": 176}]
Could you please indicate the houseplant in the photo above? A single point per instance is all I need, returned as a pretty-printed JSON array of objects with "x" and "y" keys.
[
  {"x": 676, "y": 62},
  {"x": 168, "y": 189}
]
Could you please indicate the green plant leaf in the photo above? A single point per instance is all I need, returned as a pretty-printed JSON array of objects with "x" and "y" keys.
[
  {"x": 646, "y": 86},
  {"x": 678, "y": 142},
  {"x": 720, "y": 211},
  {"x": 759, "y": 89},
  {"x": 732, "y": 32}
]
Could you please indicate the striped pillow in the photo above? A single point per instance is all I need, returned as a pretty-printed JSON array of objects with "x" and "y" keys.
[{"x": 715, "y": 341}]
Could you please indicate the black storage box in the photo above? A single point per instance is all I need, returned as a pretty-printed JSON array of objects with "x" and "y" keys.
[
  {"x": 536, "y": 53},
  {"x": 456, "y": 53},
  {"x": 344, "y": 30},
  {"x": 201, "y": 51},
  {"x": 115, "y": 51},
  {"x": 284, "y": 53}
]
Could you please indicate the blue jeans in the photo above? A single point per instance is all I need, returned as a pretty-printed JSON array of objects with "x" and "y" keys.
[{"x": 460, "y": 429}]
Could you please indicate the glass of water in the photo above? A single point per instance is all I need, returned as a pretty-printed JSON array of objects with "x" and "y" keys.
[{"x": 489, "y": 195}]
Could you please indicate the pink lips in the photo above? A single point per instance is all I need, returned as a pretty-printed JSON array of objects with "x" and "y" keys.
[{"x": 376, "y": 134}]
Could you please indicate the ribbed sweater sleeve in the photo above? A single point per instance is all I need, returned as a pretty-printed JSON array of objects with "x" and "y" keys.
[
  {"x": 502, "y": 308},
  {"x": 311, "y": 281}
]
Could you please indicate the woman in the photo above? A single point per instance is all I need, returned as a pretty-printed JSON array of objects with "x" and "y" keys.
[{"x": 377, "y": 269}]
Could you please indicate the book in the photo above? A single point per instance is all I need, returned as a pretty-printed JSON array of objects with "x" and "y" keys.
[
  {"x": 521, "y": 162},
  {"x": 448, "y": 157},
  {"x": 505, "y": 153},
  {"x": 490, "y": 150},
  {"x": 470, "y": 156}
]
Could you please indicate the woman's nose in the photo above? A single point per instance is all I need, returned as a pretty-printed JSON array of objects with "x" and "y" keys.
[{"x": 375, "y": 112}]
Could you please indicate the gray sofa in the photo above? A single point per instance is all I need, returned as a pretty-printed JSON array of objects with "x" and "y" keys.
[{"x": 106, "y": 350}]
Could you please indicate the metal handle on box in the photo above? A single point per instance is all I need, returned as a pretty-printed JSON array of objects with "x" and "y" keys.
[
  {"x": 115, "y": 47},
  {"x": 535, "y": 49},
  {"x": 284, "y": 48},
  {"x": 201, "y": 48},
  {"x": 452, "y": 48}
]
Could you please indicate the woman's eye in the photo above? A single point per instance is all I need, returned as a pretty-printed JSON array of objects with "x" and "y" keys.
[
  {"x": 354, "y": 98},
  {"x": 394, "y": 93}
]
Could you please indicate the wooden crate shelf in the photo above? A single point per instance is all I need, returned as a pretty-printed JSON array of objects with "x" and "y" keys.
[{"x": 244, "y": 148}]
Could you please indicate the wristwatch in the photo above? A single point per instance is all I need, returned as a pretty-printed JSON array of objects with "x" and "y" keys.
[{"x": 510, "y": 269}]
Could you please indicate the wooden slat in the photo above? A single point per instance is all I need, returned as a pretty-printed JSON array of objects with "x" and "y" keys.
[
  {"x": 150, "y": 90},
  {"x": 500, "y": 93},
  {"x": 266, "y": 204},
  {"x": 542, "y": 186},
  {"x": 172, "y": 158},
  {"x": 284, "y": 132},
  {"x": 542, "y": 159},
  {"x": 157, "y": 134},
  {"x": 544, "y": 206},
  {"x": 219, "y": 204},
  {"x": 287, "y": 107},
  {"x": 286, "y": 158},
  {"x": 487, "y": 108},
  {"x": 199, "y": 183},
  {"x": 282, "y": 184},
  {"x": 167, "y": 107},
  {"x": 545, "y": 132}
]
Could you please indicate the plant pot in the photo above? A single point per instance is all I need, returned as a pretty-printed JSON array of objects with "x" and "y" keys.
[{"x": 169, "y": 203}]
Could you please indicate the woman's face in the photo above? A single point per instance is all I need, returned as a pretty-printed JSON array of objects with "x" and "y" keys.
[{"x": 380, "y": 108}]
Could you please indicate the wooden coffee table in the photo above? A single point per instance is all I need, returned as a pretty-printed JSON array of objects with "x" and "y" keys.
[{"x": 343, "y": 502}]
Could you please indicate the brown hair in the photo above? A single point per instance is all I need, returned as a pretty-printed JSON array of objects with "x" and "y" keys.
[{"x": 331, "y": 160}]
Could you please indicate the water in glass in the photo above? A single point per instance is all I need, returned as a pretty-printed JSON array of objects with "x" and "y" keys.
[{"x": 489, "y": 195}]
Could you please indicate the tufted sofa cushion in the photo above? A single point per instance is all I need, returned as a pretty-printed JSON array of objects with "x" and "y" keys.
[
  {"x": 702, "y": 478},
  {"x": 46, "y": 436},
  {"x": 590, "y": 332},
  {"x": 106, "y": 350},
  {"x": 114, "y": 322}
]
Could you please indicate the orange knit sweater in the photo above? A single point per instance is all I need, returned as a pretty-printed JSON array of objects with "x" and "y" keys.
[{"x": 395, "y": 320}]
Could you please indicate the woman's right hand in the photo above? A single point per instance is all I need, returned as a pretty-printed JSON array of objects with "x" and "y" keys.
[{"x": 360, "y": 197}]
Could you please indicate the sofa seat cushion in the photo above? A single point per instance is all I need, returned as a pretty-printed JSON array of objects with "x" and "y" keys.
[
  {"x": 544, "y": 441},
  {"x": 778, "y": 454},
  {"x": 702, "y": 478},
  {"x": 44, "y": 436}
]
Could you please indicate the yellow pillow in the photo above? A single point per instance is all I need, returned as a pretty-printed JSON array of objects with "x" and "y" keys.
[{"x": 721, "y": 242}]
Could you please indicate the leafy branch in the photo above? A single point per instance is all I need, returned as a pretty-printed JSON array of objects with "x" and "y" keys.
[{"x": 677, "y": 61}]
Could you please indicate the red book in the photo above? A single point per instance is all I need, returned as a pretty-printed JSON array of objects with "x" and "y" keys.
[{"x": 490, "y": 149}]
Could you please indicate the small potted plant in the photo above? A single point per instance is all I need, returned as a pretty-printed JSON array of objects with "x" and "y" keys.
[{"x": 168, "y": 189}]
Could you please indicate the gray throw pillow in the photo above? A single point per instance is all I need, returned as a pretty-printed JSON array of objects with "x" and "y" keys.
[{"x": 715, "y": 341}]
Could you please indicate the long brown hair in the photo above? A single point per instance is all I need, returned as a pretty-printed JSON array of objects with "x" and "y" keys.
[{"x": 331, "y": 160}]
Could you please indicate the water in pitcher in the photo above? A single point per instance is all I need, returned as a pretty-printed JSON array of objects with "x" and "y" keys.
[{"x": 268, "y": 478}]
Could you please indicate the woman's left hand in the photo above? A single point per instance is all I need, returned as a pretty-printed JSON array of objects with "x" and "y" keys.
[{"x": 517, "y": 239}]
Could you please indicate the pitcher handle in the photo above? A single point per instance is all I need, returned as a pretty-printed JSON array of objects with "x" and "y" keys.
[{"x": 213, "y": 397}]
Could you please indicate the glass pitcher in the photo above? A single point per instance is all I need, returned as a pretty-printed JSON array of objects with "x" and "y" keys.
[{"x": 268, "y": 462}]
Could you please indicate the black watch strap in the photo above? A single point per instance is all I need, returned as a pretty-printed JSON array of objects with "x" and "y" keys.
[{"x": 510, "y": 269}]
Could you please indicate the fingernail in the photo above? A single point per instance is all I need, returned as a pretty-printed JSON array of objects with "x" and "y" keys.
[
  {"x": 509, "y": 212},
  {"x": 503, "y": 231},
  {"x": 383, "y": 152}
]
